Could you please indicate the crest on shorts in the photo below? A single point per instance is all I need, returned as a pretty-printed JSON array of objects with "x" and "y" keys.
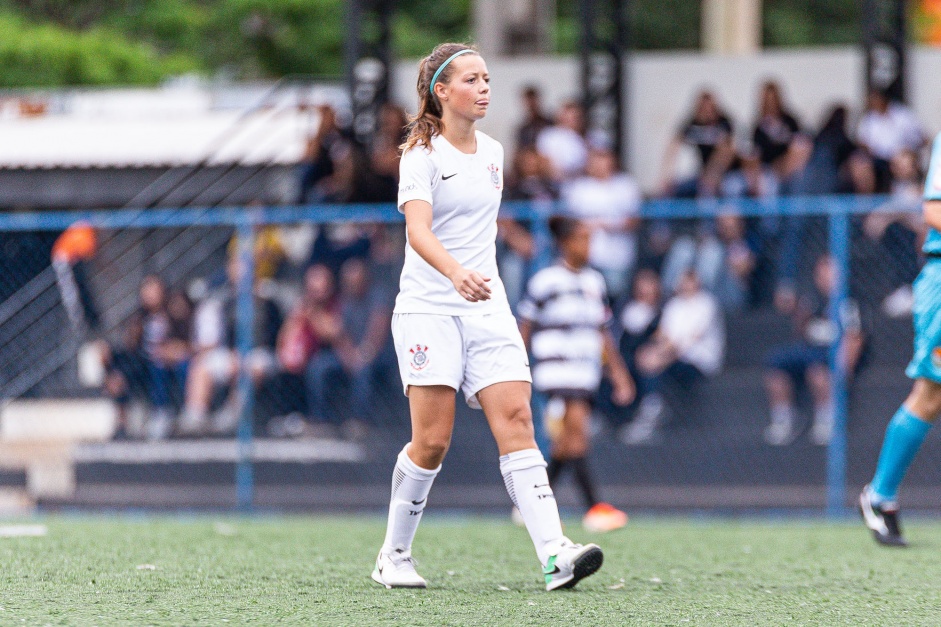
[
  {"x": 495, "y": 176},
  {"x": 419, "y": 356}
]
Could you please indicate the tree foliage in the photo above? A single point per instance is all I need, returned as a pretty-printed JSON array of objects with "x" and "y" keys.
[{"x": 92, "y": 42}]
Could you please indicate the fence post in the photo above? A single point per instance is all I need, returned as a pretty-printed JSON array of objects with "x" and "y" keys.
[
  {"x": 244, "y": 340},
  {"x": 837, "y": 449},
  {"x": 540, "y": 212}
]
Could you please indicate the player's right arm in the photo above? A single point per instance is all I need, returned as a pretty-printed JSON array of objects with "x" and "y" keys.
[{"x": 470, "y": 284}]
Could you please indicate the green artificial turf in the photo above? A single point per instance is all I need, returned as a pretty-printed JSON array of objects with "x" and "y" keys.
[{"x": 315, "y": 571}]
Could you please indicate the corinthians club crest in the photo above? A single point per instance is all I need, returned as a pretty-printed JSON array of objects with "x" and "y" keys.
[
  {"x": 495, "y": 176},
  {"x": 419, "y": 356}
]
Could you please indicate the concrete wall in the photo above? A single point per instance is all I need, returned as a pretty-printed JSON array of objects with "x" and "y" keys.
[{"x": 662, "y": 86}]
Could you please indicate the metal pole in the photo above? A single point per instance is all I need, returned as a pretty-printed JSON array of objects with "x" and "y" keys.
[
  {"x": 244, "y": 340},
  {"x": 837, "y": 449}
]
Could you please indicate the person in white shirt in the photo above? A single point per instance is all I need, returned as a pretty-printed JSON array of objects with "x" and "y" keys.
[
  {"x": 886, "y": 129},
  {"x": 609, "y": 202},
  {"x": 565, "y": 317},
  {"x": 452, "y": 326},
  {"x": 563, "y": 143},
  {"x": 688, "y": 346}
]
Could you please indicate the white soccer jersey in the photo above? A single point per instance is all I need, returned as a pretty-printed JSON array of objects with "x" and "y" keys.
[
  {"x": 568, "y": 310},
  {"x": 464, "y": 192}
]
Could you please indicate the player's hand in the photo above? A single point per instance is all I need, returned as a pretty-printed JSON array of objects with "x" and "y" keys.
[
  {"x": 471, "y": 285},
  {"x": 624, "y": 391}
]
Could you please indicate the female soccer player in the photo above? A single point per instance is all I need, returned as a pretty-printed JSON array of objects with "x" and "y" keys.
[
  {"x": 913, "y": 420},
  {"x": 452, "y": 325},
  {"x": 563, "y": 316}
]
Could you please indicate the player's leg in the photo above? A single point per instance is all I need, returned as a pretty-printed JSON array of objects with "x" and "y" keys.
[
  {"x": 430, "y": 362},
  {"x": 432, "y": 412},
  {"x": 784, "y": 367},
  {"x": 903, "y": 439},
  {"x": 506, "y": 405},
  {"x": 574, "y": 440},
  {"x": 818, "y": 380}
]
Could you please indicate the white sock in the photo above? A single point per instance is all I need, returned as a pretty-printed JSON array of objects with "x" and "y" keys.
[
  {"x": 410, "y": 487},
  {"x": 524, "y": 473}
]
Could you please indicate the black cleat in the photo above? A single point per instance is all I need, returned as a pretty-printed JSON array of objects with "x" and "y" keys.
[{"x": 882, "y": 519}]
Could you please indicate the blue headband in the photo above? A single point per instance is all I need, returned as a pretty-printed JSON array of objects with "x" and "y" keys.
[{"x": 434, "y": 79}]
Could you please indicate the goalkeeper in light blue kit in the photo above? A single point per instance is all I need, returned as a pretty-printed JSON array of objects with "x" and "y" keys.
[{"x": 913, "y": 420}]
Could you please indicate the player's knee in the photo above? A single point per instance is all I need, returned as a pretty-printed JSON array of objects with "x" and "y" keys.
[
  {"x": 429, "y": 451},
  {"x": 925, "y": 399}
]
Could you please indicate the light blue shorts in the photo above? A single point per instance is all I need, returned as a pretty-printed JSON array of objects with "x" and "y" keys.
[{"x": 926, "y": 363}]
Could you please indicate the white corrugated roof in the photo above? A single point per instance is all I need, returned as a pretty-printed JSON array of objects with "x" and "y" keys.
[{"x": 159, "y": 127}]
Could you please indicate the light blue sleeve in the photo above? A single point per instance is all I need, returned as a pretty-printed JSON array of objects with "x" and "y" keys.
[{"x": 933, "y": 180}]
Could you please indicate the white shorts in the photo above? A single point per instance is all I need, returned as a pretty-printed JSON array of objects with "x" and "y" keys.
[{"x": 467, "y": 353}]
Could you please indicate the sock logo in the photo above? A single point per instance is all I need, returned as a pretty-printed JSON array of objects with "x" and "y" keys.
[
  {"x": 412, "y": 512},
  {"x": 541, "y": 485},
  {"x": 419, "y": 502}
]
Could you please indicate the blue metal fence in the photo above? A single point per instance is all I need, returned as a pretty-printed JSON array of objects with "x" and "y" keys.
[{"x": 838, "y": 209}]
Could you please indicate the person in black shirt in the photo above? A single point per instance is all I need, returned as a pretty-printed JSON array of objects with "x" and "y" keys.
[
  {"x": 775, "y": 130},
  {"x": 710, "y": 132}
]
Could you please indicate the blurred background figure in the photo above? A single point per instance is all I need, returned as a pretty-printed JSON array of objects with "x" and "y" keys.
[
  {"x": 688, "y": 345},
  {"x": 563, "y": 143},
  {"x": 212, "y": 379},
  {"x": 886, "y": 129},
  {"x": 534, "y": 119},
  {"x": 607, "y": 201},
  {"x": 806, "y": 361},
  {"x": 564, "y": 319},
  {"x": 356, "y": 354},
  {"x": 709, "y": 131}
]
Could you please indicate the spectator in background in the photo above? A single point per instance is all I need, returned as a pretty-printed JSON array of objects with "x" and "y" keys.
[
  {"x": 807, "y": 360},
  {"x": 312, "y": 326},
  {"x": 530, "y": 179},
  {"x": 608, "y": 201},
  {"x": 317, "y": 166},
  {"x": 359, "y": 349},
  {"x": 688, "y": 346},
  {"x": 898, "y": 228},
  {"x": 155, "y": 332},
  {"x": 126, "y": 373},
  {"x": 534, "y": 121},
  {"x": 72, "y": 253},
  {"x": 216, "y": 365},
  {"x": 775, "y": 131},
  {"x": 640, "y": 317},
  {"x": 723, "y": 261},
  {"x": 384, "y": 153},
  {"x": 709, "y": 131},
  {"x": 563, "y": 143},
  {"x": 886, "y": 129},
  {"x": 829, "y": 168}
]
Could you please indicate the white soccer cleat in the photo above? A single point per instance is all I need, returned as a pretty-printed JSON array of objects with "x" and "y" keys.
[
  {"x": 572, "y": 563},
  {"x": 397, "y": 570}
]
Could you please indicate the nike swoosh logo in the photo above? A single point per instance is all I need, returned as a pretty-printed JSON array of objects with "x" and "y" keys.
[
  {"x": 542, "y": 485},
  {"x": 444, "y": 178},
  {"x": 419, "y": 502},
  {"x": 545, "y": 572}
]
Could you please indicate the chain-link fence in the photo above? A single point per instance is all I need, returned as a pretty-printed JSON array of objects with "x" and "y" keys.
[{"x": 242, "y": 356}]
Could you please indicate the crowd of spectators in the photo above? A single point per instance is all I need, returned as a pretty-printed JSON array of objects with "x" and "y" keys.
[{"x": 671, "y": 282}]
